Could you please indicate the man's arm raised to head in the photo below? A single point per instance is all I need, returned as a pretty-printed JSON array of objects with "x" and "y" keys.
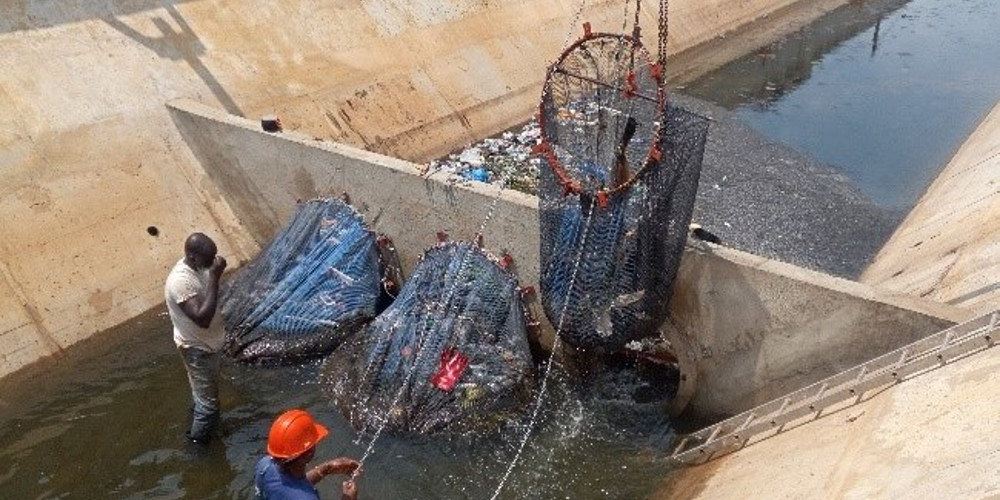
[{"x": 201, "y": 309}]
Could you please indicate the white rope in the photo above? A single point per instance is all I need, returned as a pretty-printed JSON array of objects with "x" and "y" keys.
[
  {"x": 548, "y": 365},
  {"x": 420, "y": 349}
]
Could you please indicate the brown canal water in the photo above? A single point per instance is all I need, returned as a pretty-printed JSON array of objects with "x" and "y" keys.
[{"x": 106, "y": 419}]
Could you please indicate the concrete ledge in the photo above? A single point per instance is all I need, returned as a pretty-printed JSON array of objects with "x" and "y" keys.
[
  {"x": 748, "y": 328},
  {"x": 756, "y": 329},
  {"x": 928, "y": 437}
]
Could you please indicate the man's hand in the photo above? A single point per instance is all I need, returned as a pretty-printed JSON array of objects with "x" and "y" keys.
[
  {"x": 349, "y": 490},
  {"x": 218, "y": 265}
]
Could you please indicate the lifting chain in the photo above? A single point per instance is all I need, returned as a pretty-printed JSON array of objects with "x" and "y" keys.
[
  {"x": 635, "y": 24},
  {"x": 663, "y": 29}
]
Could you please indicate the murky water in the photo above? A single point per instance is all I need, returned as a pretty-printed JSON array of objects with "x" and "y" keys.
[
  {"x": 883, "y": 90},
  {"x": 106, "y": 420}
]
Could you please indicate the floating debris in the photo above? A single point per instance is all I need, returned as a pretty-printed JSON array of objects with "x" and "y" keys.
[{"x": 506, "y": 157}]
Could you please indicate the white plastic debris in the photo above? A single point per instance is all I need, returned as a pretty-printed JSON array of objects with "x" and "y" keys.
[{"x": 507, "y": 158}]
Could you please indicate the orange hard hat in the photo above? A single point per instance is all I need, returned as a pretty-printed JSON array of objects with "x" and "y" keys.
[{"x": 294, "y": 433}]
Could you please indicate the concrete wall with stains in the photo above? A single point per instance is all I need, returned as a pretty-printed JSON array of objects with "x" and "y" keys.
[
  {"x": 89, "y": 157},
  {"x": 930, "y": 436},
  {"x": 747, "y": 329}
]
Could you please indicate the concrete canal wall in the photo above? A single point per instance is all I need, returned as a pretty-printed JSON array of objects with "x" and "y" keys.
[
  {"x": 929, "y": 437},
  {"x": 98, "y": 189},
  {"x": 100, "y": 182}
]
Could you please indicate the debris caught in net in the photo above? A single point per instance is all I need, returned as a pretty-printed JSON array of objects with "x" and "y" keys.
[
  {"x": 450, "y": 353},
  {"x": 617, "y": 196},
  {"x": 321, "y": 277}
]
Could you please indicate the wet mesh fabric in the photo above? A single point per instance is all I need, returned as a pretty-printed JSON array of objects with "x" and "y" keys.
[
  {"x": 314, "y": 285},
  {"x": 457, "y": 302},
  {"x": 628, "y": 247}
]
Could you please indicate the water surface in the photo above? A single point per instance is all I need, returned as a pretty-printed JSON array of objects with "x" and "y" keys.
[
  {"x": 106, "y": 420},
  {"x": 885, "y": 91}
]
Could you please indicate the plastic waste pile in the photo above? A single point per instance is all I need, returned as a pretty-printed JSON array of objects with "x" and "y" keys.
[
  {"x": 507, "y": 156},
  {"x": 451, "y": 352},
  {"x": 314, "y": 285}
]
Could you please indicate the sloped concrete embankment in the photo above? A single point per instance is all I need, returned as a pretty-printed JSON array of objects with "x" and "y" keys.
[
  {"x": 948, "y": 247},
  {"x": 747, "y": 328},
  {"x": 929, "y": 437},
  {"x": 98, "y": 190}
]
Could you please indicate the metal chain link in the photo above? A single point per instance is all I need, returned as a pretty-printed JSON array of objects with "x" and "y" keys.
[
  {"x": 664, "y": 27},
  {"x": 635, "y": 24}
]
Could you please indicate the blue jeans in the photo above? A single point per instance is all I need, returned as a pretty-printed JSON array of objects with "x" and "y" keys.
[{"x": 203, "y": 375}]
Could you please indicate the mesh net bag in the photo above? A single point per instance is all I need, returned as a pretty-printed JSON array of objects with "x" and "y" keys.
[
  {"x": 316, "y": 283},
  {"x": 616, "y": 200},
  {"x": 451, "y": 351},
  {"x": 600, "y": 114}
]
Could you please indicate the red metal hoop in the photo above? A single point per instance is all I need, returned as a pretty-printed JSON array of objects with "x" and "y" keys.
[{"x": 630, "y": 90}]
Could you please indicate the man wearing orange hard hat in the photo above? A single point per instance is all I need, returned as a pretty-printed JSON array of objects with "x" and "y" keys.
[{"x": 291, "y": 444}]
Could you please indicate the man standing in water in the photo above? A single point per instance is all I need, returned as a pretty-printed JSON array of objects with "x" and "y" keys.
[
  {"x": 192, "y": 292},
  {"x": 291, "y": 444}
]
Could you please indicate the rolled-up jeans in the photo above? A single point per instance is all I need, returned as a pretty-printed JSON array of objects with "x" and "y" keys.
[{"x": 203, "y": 375}]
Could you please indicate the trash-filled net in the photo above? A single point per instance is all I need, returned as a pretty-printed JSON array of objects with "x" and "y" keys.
[
  {"x": 315, "y": 284},
  {"x": 450, "y": 353},
  {"x": 601, "y": 103},
  {"x": 617, "y": 196}
]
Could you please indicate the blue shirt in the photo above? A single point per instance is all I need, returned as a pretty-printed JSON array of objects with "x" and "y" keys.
[{"x": 271, "y": 483}]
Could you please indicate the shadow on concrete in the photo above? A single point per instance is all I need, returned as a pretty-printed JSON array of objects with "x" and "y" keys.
[
  {"x": 22, "y": 15},
  {"x": 719, "y": 352},
  {"x": 178, "y": 45},
  {"x": 983, "y": 290},
  {"x": 248, "y": 200}
]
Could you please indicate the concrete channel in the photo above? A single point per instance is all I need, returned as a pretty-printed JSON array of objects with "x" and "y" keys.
[{"x": 123, "y": 129}]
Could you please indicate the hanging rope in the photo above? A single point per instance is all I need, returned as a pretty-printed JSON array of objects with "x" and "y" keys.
[{"x": 548, "y": 364}]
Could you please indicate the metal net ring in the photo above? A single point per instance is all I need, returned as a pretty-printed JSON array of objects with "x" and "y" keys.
[{"x": 601, "y": 113}]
